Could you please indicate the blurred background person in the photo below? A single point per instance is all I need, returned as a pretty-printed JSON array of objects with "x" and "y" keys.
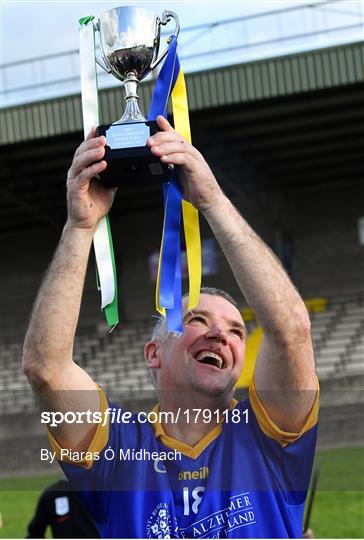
[{"x": 60, "y": 509}]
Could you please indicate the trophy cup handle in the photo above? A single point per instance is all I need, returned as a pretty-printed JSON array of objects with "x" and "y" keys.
[
  {"x": 99, "y": 62},
  {"x": 166, "y": 17},
  {"x": 103, "y": 64}
]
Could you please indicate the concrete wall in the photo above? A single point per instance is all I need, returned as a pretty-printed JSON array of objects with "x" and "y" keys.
[{"x": 328, "y": 257}]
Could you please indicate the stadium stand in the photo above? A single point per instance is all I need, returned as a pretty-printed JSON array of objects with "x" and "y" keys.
[
  {"x": 338, "y": 337},
  {"x": 116, "y": 361}
]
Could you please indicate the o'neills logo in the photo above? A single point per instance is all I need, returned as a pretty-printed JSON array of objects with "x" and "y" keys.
[{"x": 201, "y": 474}]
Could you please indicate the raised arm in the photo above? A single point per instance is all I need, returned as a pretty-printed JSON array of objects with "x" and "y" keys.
[
  {"x": 284, "y": 376},
  {"x": 59, "y": 383},
  {"x": 284, "y": 373}
]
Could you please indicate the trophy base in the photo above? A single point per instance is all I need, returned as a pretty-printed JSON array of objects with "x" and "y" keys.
[{"x": 127, "y": 156}]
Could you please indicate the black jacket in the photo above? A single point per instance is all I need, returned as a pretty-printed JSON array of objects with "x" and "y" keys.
[{"x": 60, "y": 508}]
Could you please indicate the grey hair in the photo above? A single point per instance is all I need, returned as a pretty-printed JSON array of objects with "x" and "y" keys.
[{"x": 160, "y": 329}]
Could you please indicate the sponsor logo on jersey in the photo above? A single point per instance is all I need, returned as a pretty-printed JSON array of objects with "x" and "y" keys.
[
  {"x": 201, "y": 474},
  {"x": 159, "y": 466}
]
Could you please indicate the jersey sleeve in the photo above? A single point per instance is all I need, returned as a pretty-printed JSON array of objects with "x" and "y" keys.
[
  {"x": 97, "y": 444},
  {"x": 270, "y": 428},
  {"x": 93, "y": 473},
  {"x": 289, "y": 456}
]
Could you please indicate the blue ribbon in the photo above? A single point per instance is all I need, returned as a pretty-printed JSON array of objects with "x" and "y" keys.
[
  {"x": 171, "y": 243},
  {"x": 174, "y": 316},
  {"x": 170, "y": 290},
  {"x": 165, "y": 82}
]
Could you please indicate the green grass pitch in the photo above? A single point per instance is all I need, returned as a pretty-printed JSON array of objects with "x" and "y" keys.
[{"x": 338, "y": 510}]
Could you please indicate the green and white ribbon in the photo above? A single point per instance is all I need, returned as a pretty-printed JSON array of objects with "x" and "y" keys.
[{"x": 103, "y": 246}]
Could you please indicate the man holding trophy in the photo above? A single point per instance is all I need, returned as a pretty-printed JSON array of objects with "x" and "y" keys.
[{"x": 239, "y": 470}]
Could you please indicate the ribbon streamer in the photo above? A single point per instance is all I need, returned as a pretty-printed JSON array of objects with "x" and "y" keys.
[
  {"x": 190, "y": 214},
  {"x": 171, "y": 244},
  {"x": 169, "y": 280},
  {"x": 102, "y": 240}
]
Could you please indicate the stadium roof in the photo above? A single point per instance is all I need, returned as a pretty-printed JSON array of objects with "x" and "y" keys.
[{"x": 287, "y": 123}]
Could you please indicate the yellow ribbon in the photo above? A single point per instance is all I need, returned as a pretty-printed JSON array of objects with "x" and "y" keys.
[{"x": 189, "y": 212}]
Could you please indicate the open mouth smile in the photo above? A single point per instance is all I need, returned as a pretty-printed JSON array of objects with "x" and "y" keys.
[{"x": 210, "y": 358}]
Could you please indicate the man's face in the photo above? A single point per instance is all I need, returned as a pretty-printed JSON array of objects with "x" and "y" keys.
[{"x": 209, "y": 356}]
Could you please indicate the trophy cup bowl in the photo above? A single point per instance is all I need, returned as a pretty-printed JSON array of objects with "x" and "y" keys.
[{"x": 130, "y": 40}]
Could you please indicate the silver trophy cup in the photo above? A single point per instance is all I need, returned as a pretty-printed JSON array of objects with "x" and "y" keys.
[{"x": 130, "y": 40}]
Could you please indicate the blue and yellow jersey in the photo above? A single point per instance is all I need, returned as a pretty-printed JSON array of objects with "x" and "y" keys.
[{"x": 245, "y": 479}]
